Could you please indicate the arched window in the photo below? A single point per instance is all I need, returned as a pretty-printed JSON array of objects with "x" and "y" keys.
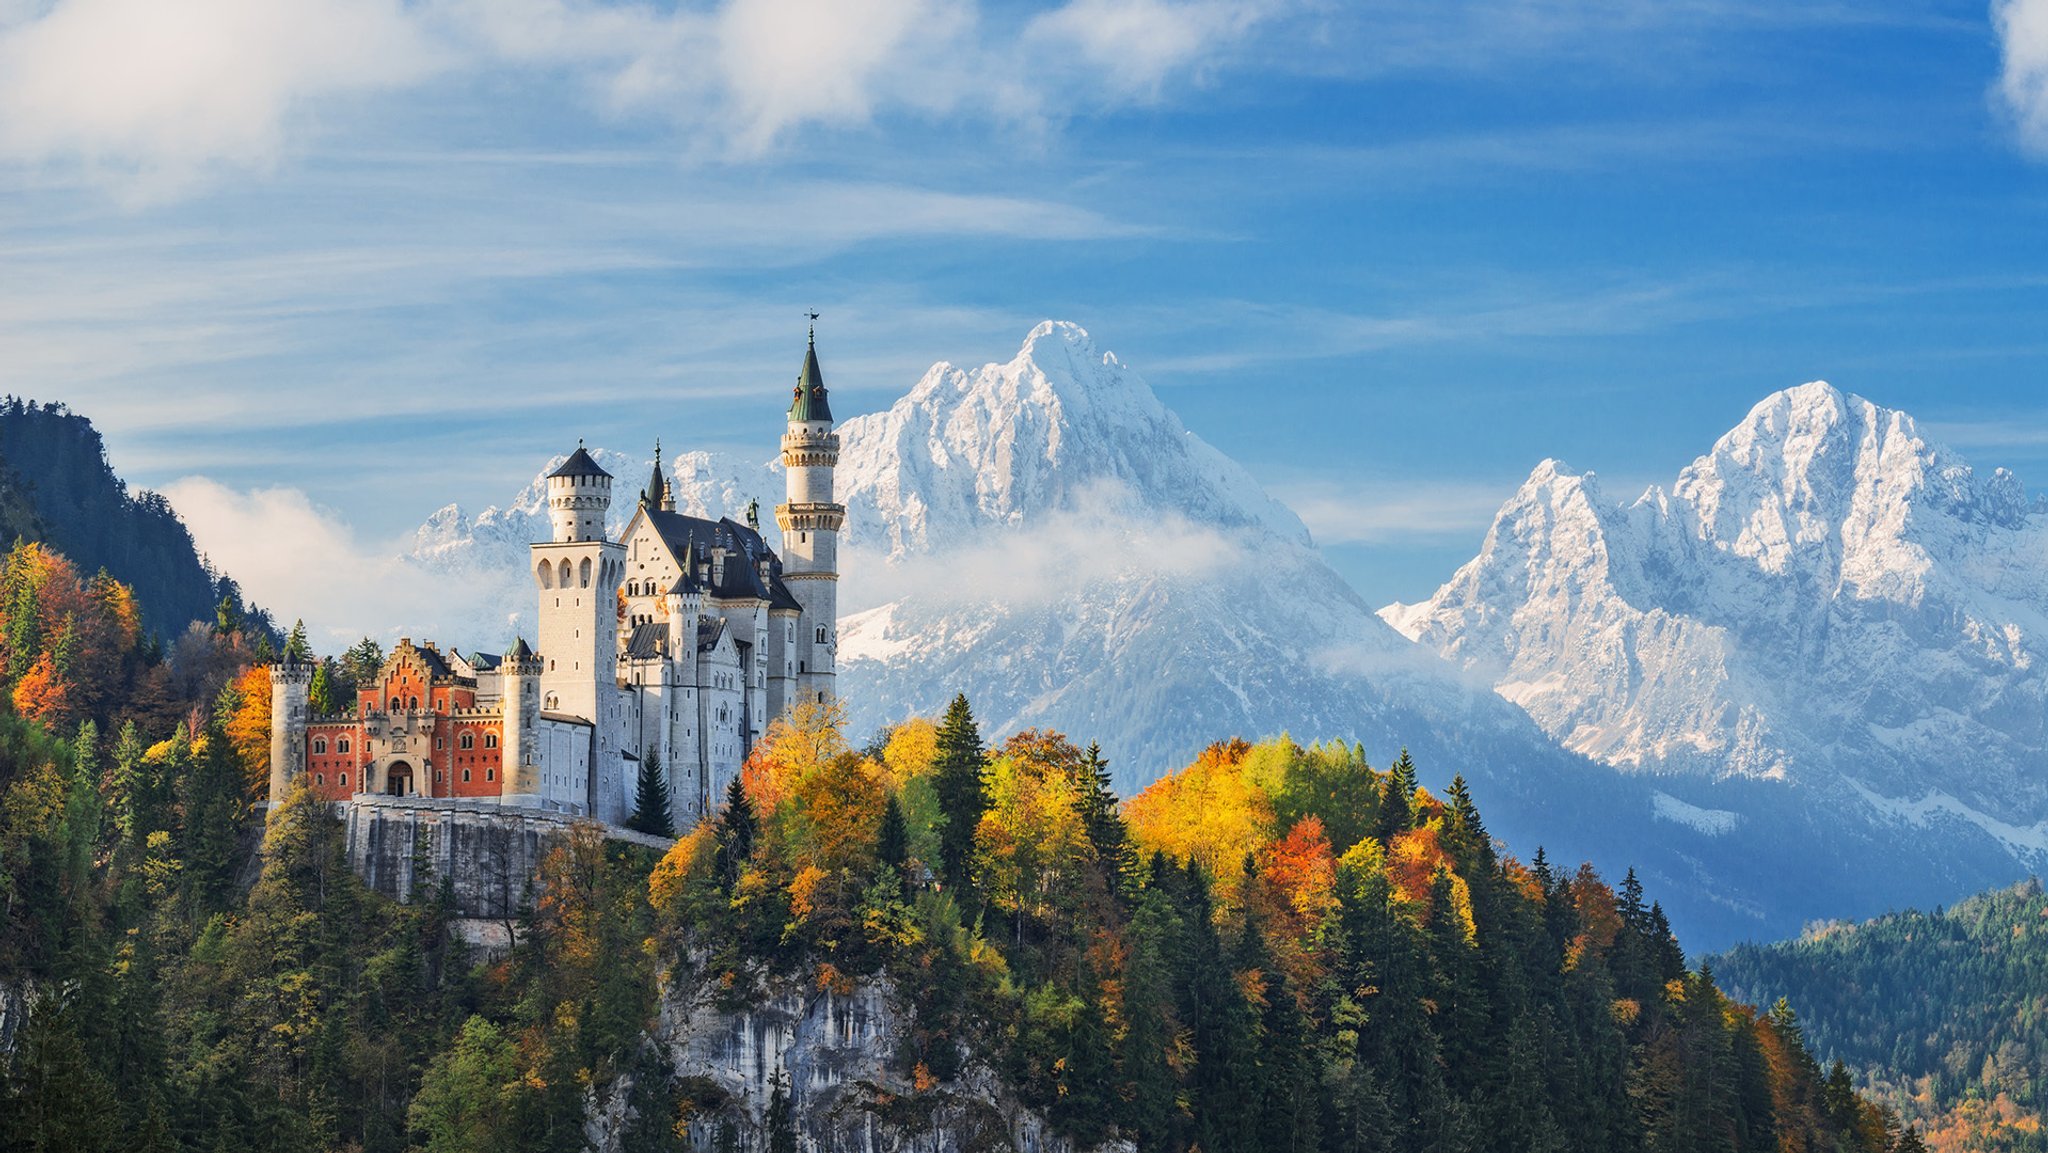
[
  {"x": 319, "y": 778},
  {"x": 490, "y": 740},
  {"x": 341, "y": 746},
  {"x": 490, "y": 774},
  {"x": 547, "y": 575},
  {"x": 396, "y": 704},
  {"x": 465, "y": 775},
  {"x": 344, "y": 780},
  {"x": 583, "y": 573},
  {"x": 412, "y": 702},
  {"x": 565, "y": 572},
  {"x": 469, "y": 740},
  {"x": 319, "y": 746},
  {"x": 821, "y": 634}
]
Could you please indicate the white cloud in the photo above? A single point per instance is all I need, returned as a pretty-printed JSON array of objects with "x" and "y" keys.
[
  {"x": 156, "y": 93},
  {"x": 2023, "y": 35},
  {"x": 299, "y": 560},
  {"x": 163, "y": 88},
  {"x": 1129, "y": 48},
  {"x": 1366, "y": 513}
]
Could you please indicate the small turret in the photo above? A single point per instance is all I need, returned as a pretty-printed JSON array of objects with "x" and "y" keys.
[{"x": 579, "y": 494}]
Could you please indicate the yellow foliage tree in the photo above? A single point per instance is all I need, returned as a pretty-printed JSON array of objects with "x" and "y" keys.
[
  {"x": 796, "y": 744},
  {"x": 248, "y": 728},
  {"x": 1209, "y": 812}
]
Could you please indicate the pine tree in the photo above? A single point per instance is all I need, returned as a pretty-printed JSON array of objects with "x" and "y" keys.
[
  {"x": 323, "y": 695},
  {"x": 781, "y": 1118},
  {"x": 82, "y": 806},
  {"x": 1397, "y": 799},
  {"x": 1106, "y": 831},
  {"x": 296, "y": 650},
  {"x": 956, "y": 777},
  {"x": 128, "y": 792},
  {"x": 892, "y": 842},
  {"x": 736, "y": 829},
  {"x": 651, "y": 803}
]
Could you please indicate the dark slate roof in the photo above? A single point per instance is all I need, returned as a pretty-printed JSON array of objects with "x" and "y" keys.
[
  {"x": 709, "y": 629},
  {"x": 647, "y": 642},
  {"x": 579, "y": 464},
  {"x": 809, "y": 401},
  {"x": 691, "y": 538},
  {"x": 566, "y": 719},
  {"x": 437, "y": 666},
  {"x": 519, "y": 650},
  {"x": 780, "y": 596},
  {"x": 483, "y": 662}
]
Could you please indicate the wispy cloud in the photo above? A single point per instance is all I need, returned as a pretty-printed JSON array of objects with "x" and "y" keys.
[
  {"x": 2023, "y": 38},
  {"x": 1372, "y": 512},
  {"x": 157, "y": 95}
]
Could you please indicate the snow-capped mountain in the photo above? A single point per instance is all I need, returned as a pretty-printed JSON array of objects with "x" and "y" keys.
[
  {"x": 1827, "y": 609},
  {"x": 1045, "y": 536}
]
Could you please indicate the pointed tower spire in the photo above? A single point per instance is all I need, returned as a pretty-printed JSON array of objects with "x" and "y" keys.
[
  {"x": 809, "y": 403},
  {"x": 656, "y": 494}
]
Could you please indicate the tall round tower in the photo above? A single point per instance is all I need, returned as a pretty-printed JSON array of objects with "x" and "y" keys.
[
  {"x": 579, "y": 492},
  {"x": 290, "y": 686},
  {"x": 810, "y": 523}
]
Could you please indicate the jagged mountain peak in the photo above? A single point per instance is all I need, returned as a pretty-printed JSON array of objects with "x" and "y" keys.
[{"x": 1058, "y": 429}]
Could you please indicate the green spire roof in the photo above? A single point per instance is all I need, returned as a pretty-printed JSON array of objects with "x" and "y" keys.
[{"x": 809, "y": 402}]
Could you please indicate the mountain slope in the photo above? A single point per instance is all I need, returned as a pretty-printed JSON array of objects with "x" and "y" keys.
[
  {"x": 56, "y": 487},
  {"x": 1827, "y": 606},
  {"x": 1937, "y": 1014}
]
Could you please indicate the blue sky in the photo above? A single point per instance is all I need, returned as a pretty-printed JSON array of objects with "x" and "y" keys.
[{"x": 355, "y": 259}]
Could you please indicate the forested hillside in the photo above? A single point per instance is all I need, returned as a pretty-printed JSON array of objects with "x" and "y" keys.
[
  {"x": 57, "y": 488},
  {"x": 1278, "y": 948},
  {"x": 1942, "y": 1015}
]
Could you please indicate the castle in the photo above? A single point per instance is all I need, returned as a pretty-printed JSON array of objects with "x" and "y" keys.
[{"x": 673, "y": 645}]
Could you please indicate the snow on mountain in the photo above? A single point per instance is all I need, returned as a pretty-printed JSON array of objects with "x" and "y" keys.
[
  {"x": 1827, "y": 604},
  {"x": 1045, "y": 536}
]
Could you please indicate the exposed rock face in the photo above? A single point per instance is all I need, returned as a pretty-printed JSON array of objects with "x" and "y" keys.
[
  {"x": 487, "y": 853},
  {"x": 834, "y": 1051}
]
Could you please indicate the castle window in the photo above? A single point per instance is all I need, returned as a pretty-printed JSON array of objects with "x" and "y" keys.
[
  {"x": 583, "y": 574},
  {"x": 821, "y": 634},
  {"x": 319, "y": 745},
  {"x": 465, "y": 775},
  {"x": 490, "y": 774},
  {"x": 440, "y": 775},
  {"x": 490, "y": 740},
  {"x": 344, "y": 780},
  {"x": 469, "y": 740},
  {"x": 319, "y": 778},
  {"x": 565, "y": 572},
  {"x": 412, "y": 703},
  {"x": 547, "y": 575},
  {"x": 396, "y": 704},
  {"x": 440, "y": 742},
  {"x": 341, "y": 746}
]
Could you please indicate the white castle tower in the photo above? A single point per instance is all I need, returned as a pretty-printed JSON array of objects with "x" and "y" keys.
[
  {"x": 290, "y": 686},
  {"x": 810, "y": 523},
  {"x": 577, "y": 575}
]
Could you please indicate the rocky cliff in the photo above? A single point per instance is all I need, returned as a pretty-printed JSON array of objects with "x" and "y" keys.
[{"x": 831, "y": 1046}]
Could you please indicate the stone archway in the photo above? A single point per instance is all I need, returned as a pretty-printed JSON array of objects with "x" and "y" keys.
[{"x": 398, "y": 780}]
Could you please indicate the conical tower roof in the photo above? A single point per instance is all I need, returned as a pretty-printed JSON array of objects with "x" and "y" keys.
[
  {"x": 809, "y": 401},
  {"x": 580, "y": 464}
]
